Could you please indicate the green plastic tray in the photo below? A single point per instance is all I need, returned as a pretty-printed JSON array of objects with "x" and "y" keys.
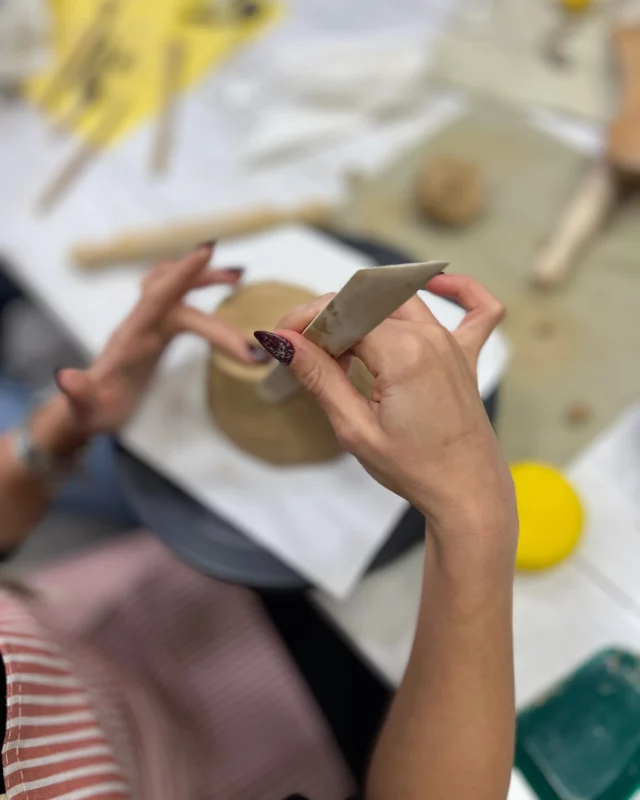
[{"x": 582, "y": 740}]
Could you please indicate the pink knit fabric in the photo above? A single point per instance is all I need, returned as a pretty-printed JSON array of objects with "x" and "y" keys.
[{"x": 196, "y": 695}]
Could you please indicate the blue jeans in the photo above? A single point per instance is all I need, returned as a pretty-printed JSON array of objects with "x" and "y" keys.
[{"x": 96, "y": 492}]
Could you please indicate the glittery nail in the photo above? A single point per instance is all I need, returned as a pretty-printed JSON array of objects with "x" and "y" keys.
[
  {"x": 258, "y": 354},
  {"x": 211, "y": 243},
  {"x": 277, "y": 346}
]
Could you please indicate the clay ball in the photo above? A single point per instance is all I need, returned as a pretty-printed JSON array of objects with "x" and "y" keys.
[{"x": 451, "y": 191}]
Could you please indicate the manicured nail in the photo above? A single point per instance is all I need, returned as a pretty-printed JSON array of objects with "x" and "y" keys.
[
  {"x": 258, "y": 354},
  {"x": 56, "y": 377},
  {"x": 239, "y": 271},
  {"x": 277, "y": 346},
  {"x": 210, "y": 244}
]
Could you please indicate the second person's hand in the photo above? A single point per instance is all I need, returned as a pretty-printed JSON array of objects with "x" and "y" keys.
[{"x": 101, "y": 398}]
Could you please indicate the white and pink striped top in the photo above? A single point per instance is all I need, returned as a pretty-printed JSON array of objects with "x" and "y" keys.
[
  {"x": 54, "y": 745},
  {"x": 135, "y": 677}
]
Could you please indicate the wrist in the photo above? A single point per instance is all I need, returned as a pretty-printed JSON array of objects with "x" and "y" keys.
[
  {"x": 464, "y": 551},
  {"x": 55, "y": 431}
]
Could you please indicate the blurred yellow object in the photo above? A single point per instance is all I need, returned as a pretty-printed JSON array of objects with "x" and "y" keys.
[
  {"x": 130, "y": 38},
  {"x": 576, "y": 5},
  {"x": 550, "y": 514}
]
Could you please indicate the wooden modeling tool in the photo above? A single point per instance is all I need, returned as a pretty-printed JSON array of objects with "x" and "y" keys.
[
  {"x": 81, "y": 158},
  {"x": 89, "y": 86},
  {"x": 72, "y": 66},
  {"x": 170, "y": 241},
  {"x": 367, "y": 299},
  {"x": 597, "y": 196},
  {"x": 172, "y": 70}
]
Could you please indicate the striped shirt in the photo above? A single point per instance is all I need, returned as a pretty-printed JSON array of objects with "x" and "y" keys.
[
  {"x": 54, "y": 743},
  {"x": 135, "y": 677}
]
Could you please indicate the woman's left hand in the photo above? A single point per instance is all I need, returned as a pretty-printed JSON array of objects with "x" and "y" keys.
[{"x": 101, "y": 398}]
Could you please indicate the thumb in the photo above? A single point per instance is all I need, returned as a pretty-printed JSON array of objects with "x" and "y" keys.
[
  {"x": 324, "y": 378},
  {"x": 78, "y": 388}
]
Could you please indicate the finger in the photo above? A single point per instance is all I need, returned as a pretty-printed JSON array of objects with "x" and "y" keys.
[
  {"x": 169, "y": 281},
  {"x": 415, "y": 310},
  {"x": 165, "y": 286},
  {"x": 79, "y": 390},
  {"x": 484, "y": 310},
  {"x": 298, "y": 318},
  {"x": 219, "y": 335},
  {"x": 374, "y": 349},
  {"x": 322, "y": 376},
  {"x": 221, "y": 275}
]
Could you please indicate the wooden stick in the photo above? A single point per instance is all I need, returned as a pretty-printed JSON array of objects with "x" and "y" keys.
[
  {"x": 173, "y": 65},
  {"x": 80, "y": 158},
  {"x": 167, "y": 242},
  {"x": 91, "y": 78},
  {"x": 71, "y": 67},
  {"x": 581, "y": 220}
]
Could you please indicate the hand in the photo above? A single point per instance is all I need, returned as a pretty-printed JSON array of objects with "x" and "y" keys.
[
  {"x": 424, "y": 434},
  {"x": 102, "y": 398}
]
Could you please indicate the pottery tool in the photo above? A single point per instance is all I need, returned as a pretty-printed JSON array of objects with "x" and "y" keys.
[
  {"x": 72, "y": 66},
  {"x": 80, "y": 158},
  {"x": 171, "y": 76},
  {"x": 89, "y": 86},
  {"x": 555, "y": 43},
  {"x": 597, "y": 196},
  {"x": 170, "y": 241},
  {"x": 367, "y": 299}
]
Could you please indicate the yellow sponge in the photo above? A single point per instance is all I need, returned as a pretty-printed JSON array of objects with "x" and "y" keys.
[{"x": 550, "y": 512}]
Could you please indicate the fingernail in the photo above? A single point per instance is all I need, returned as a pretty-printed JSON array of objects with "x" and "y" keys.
[
  {"x": 277, "y": 346},
  {"x": 56, "y": 378},
  {"x": 239, "y": 271},
  {"x": 211, "y": 243},
  {"x": 258, "y": 354}
]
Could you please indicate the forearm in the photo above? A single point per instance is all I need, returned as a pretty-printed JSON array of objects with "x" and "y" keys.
[
  {"x": 450, "y": 730},
  {"x": 25, "y": 497}
]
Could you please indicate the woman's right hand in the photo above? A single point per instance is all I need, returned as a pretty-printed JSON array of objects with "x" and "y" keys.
[{"x": 424, "y": 434}]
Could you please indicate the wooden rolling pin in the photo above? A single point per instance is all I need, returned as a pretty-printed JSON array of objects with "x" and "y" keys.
[
  {"x": 596, "y": 197},
  {"x": 171, "y": 241},
  {"x": 582, "y": 219}
]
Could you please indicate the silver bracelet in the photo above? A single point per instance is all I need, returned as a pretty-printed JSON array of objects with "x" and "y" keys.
[{"x": 50, "y": 468}]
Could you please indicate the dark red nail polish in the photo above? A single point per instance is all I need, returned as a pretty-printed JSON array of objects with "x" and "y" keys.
[
  {"x": 258, "y": 354},
  {"x": 277, "y": 346}
]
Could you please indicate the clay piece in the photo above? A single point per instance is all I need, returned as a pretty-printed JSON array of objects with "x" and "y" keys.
[
  {"x": 451, "y": 191},
  {"x": 294, "y": 431}
]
